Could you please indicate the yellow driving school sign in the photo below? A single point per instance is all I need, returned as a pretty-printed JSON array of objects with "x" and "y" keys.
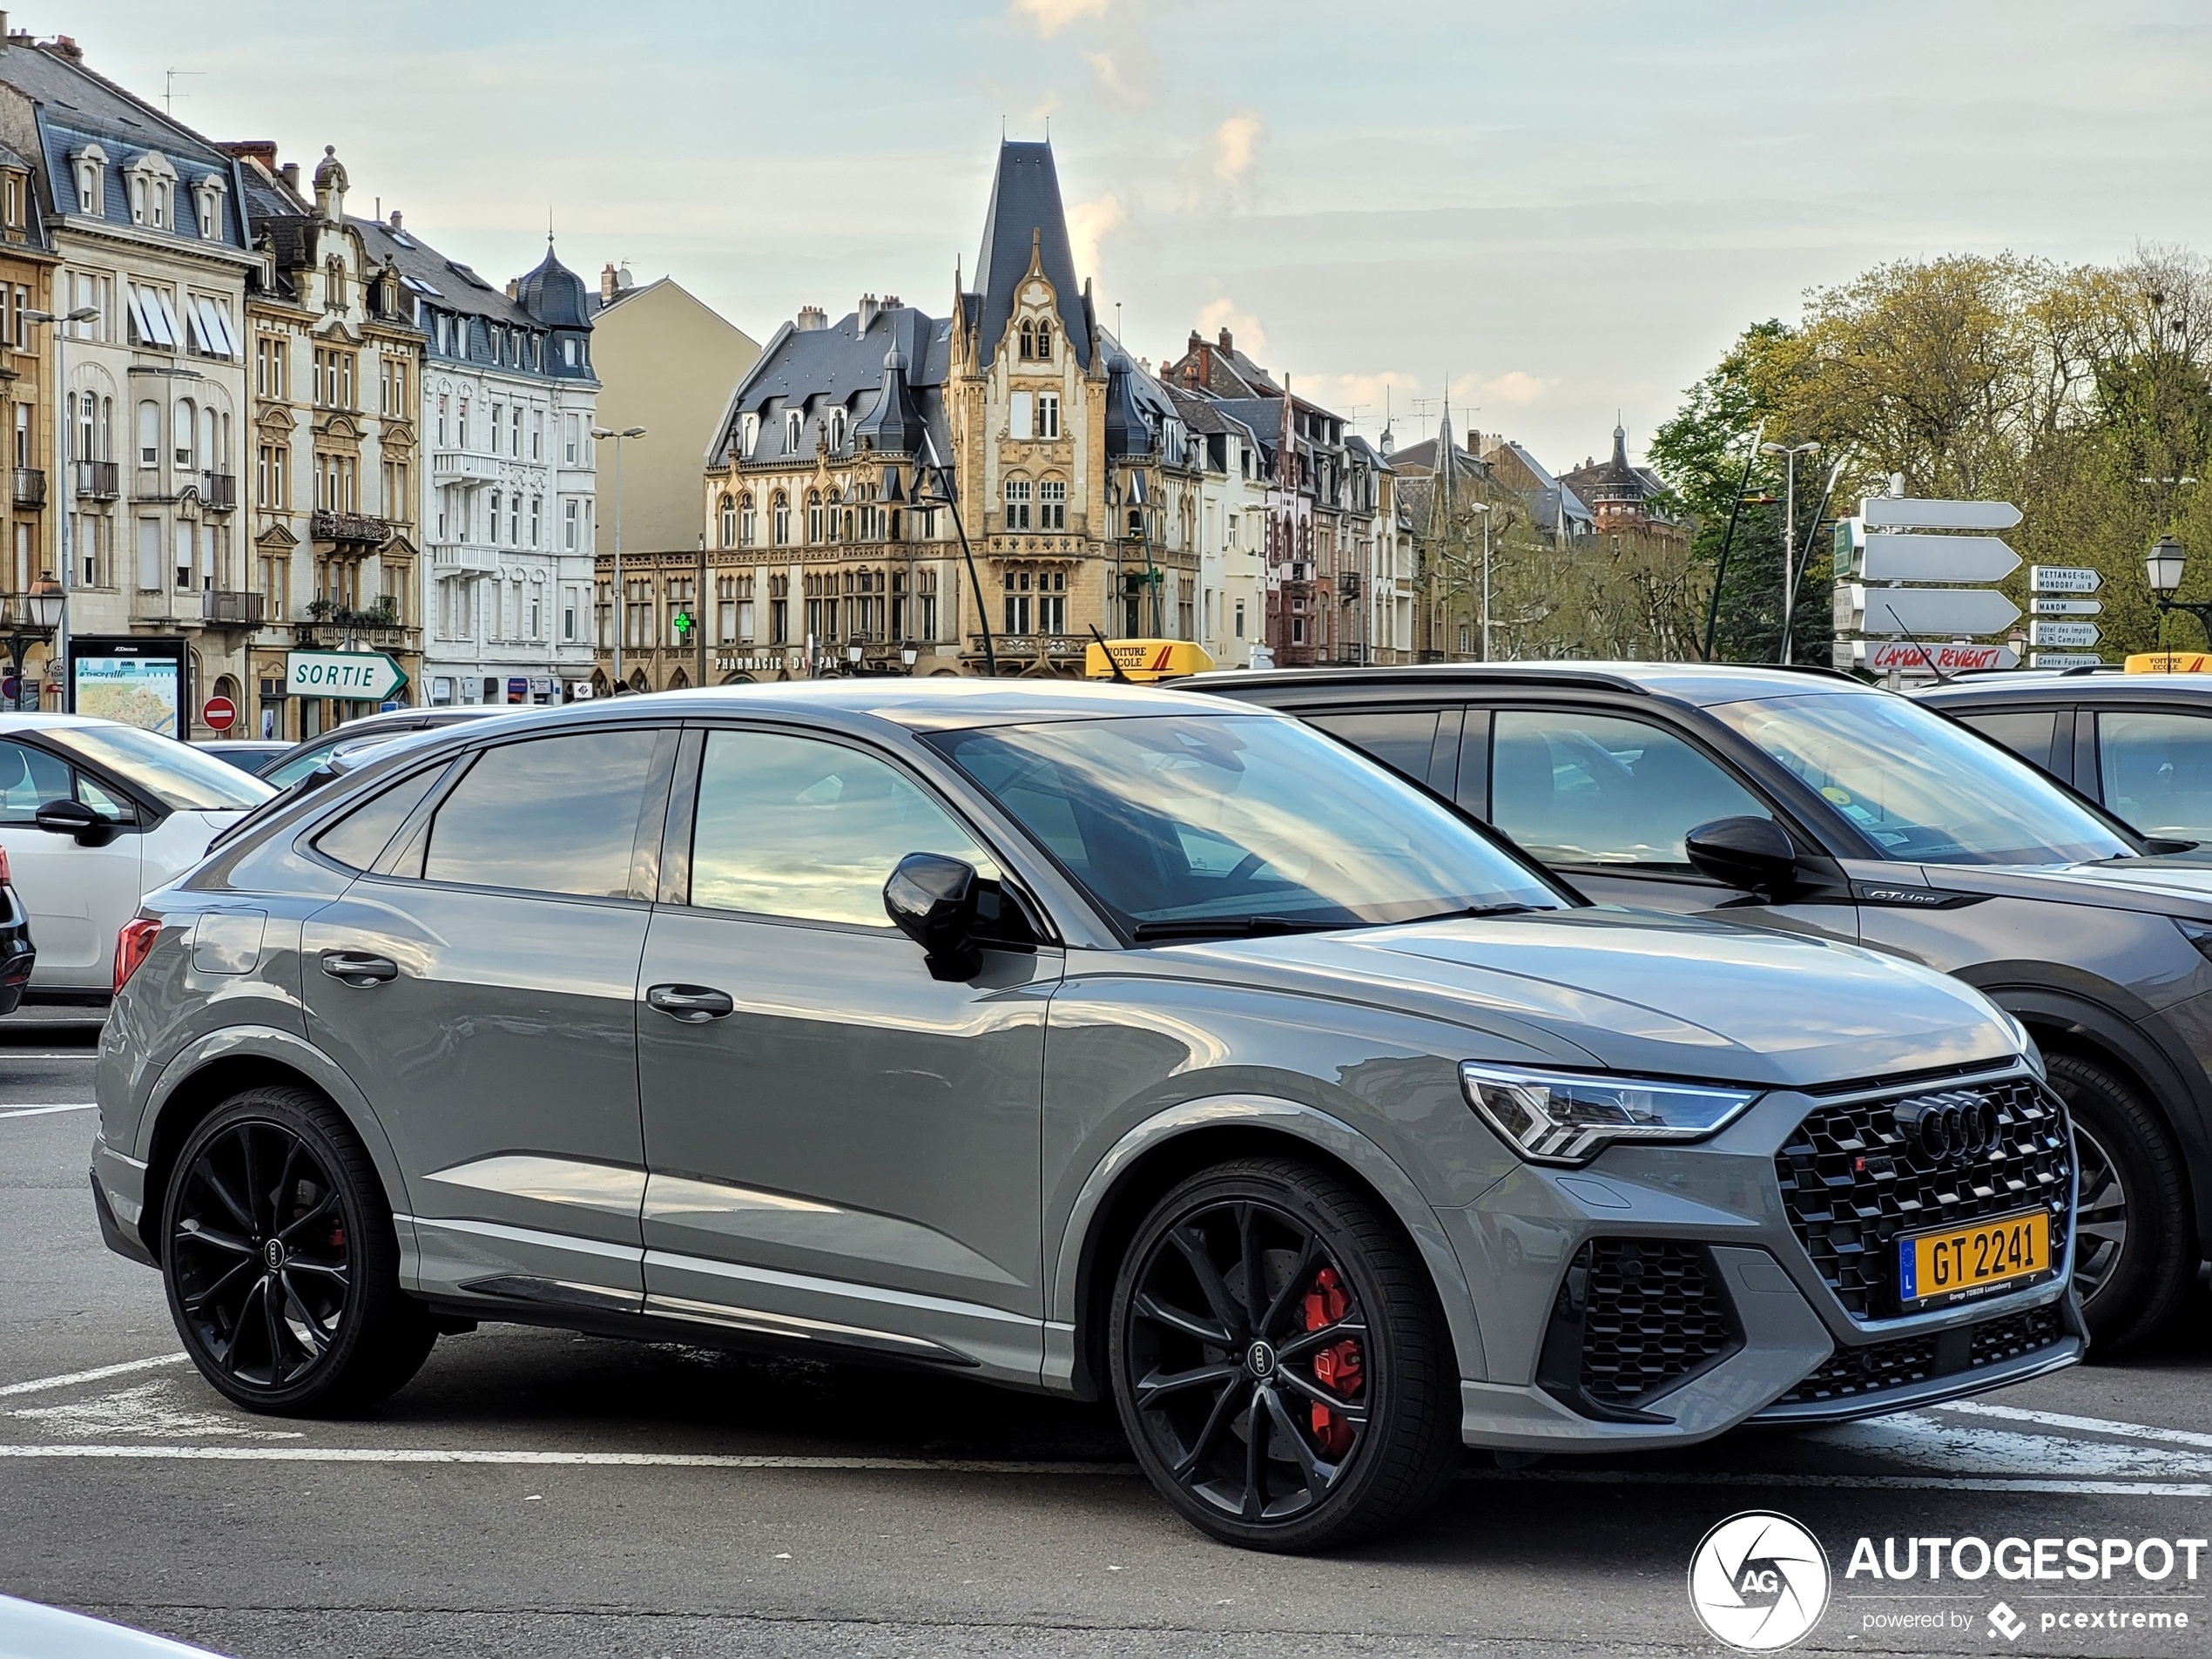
[{"x": 1144, "y": 660}]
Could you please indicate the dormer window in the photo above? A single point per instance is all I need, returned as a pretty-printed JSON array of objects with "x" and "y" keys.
[
  {"x": 1029, "y": 339},
  {"x": 153, "y": 183},
  {"x": 1045, "y": 342},
  {"x": 207, "y": 199},
  {"x": 794, "y": 427},
  {"x": 837, "y": 428},
  {"x": 90, "y": 163},
  {"x": 748, "y": 435}
]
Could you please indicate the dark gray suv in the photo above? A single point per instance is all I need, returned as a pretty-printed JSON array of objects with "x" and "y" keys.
[
  {"x": 1079, "y": 1038},
  {"x": 1810, "y": 803}
]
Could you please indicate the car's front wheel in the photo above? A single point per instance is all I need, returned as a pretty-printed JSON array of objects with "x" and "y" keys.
[
  {"x": 2134, "y": 1247},
  {"x": 1279, "y": 1360},
  {"x": 280, "y": 1261}
]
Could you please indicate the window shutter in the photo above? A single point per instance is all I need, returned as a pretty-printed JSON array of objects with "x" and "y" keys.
[{"x": 1018, "y": 416}]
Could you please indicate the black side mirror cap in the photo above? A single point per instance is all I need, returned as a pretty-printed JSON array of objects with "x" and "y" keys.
[
  {"x": 932, "y": 900},
  {"x": 74, "y": 818},
  {"x": 1754, "y": 853}
]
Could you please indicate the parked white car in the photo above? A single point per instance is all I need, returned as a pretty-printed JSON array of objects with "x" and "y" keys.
[{"x": 93, "y": 815}]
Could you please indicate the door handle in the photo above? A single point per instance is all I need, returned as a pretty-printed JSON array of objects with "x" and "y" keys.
[
  {"x": 694, "y": 1004},
  {"x": 358, "y": 969}
]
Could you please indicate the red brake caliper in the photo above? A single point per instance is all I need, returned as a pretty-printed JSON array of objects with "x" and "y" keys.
[{"x": 1337, "y": 1366}]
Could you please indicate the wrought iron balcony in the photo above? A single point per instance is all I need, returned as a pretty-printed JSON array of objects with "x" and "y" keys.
[
  {"x": 225, "y": 608},
  {"x": 333, "y": 636},
  {"x": 97, "y": 480},
  {"x": 218, "y": 491},
  {"x": 357, "y": 530},
  {"x": 31, "y": 487}
]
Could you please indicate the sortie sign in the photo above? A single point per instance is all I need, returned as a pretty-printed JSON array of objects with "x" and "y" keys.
[{"x": 356, "y": 676}]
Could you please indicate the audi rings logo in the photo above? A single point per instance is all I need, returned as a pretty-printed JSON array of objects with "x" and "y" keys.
[
  {"x": 1942, "y": 1127},
  {"x": 1758, "y": 1581}
]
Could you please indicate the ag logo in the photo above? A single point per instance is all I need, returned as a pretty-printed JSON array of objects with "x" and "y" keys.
[{"x": 1758, "y": 1581}]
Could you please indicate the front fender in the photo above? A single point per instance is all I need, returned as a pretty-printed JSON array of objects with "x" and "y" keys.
[{"x": 1308, "y": 1123}]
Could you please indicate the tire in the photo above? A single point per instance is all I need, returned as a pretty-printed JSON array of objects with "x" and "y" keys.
[
  {"x": 2135, "y": 1242},
  {"x": 1328, "y": 1261},
  {"x": 284, "y": 1281}
]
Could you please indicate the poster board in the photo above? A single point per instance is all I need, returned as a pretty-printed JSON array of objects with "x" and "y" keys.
[{"x": 139, "y": 679}]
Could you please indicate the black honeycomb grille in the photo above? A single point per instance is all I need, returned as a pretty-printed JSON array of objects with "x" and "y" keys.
[
  {"x": 1853, "y": 1182},
  {"x": 1652, "y": 1312},
  {"x": 1996, "y": 1340},
  {"x": 1867, "y": 1371}
]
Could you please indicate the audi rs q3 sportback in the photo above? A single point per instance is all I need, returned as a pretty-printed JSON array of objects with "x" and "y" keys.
[{"x": 1086, "y": 1039}]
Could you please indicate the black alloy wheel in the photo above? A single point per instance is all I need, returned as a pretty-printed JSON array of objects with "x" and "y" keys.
[
  {"x": 2100, "y": 1215},
  {"x": 281, "y": 1260},
  {"x": 1279, "y": 1361}
]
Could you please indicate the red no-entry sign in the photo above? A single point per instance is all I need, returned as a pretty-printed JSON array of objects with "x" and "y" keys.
[{"x": 220, "y": 712}]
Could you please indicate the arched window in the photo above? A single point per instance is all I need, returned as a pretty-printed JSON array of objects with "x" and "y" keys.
[
  {"x": 185, "y": 427},
  {"x": 793, "y": 423},
  {"x": 744, "y": 521},
  {"x": 779, "y": 516},
  {"x": 1017, "y": 503},
  {"x": 729, "y": 521},
  {"x": 837, "y": 429},
  {"x": 1045, "y": 342},
  {"x": 1136, "y": 521},
  {"x": 813, "y": 516},
  {"x": 1028, "y": 341},
  {"x": 831, "y": 526}
]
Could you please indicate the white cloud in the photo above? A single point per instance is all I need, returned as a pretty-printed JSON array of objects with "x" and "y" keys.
[
  {"x": 1052, "y": 16},
  {"x": 1236, "y": 142},
  {"x": 1515, "y": 388},
  {"x": 1223, "y": 313},
  {"x": 1109, "y": 72},
  {"x": 1089, "y": 224}
]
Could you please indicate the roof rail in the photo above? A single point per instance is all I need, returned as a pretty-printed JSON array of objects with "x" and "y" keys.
[{"x": 1417, "y": 673}]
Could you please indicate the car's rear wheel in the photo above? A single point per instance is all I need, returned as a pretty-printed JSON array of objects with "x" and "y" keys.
[
  {"x": 280, "y": 1261},
  {"x": 2135, "y": 1246},
  {"x": 1279, "y": 1361}
]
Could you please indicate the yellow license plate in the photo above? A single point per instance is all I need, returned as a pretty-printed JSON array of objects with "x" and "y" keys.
[{"x": 1962, "y": 1262}]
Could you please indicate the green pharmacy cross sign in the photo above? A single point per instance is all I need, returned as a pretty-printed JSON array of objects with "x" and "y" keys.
[
  {"x": 355, "y": 675},
  {"x": 681, "y": 622}
]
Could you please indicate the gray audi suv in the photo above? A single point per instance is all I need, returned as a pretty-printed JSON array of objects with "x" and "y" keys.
[{"x": 1092, "y": 1040}]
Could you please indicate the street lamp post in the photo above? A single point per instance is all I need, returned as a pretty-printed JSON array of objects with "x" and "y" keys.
[
  {"x": 60, "y": 647},
  {"x": 2163, "y": 568},
  {"x": 1790, "y": 454},
  {"x": 941, "y": 489},
  {"x": 622, "y": 610},
  {"x": 39, "y": 616},
  {"x": 1483, "y": 507}
]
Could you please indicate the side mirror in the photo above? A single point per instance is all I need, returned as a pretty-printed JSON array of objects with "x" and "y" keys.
[
  {"x": 1754, "y": 853},
  {"x": 931, "y": 899},
  {"x": 74, "y": 818}
]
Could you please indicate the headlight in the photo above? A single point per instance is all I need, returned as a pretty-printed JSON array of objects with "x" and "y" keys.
[{"x": 1570, "y": 1117}]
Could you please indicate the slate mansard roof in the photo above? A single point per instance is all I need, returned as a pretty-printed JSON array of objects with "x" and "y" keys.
[
  {"x": 77, "y": 107},
  {"x": 1026, "y": 213},
  {"x": 843, "y": 366},
  {"x": 436, "y": 282}
]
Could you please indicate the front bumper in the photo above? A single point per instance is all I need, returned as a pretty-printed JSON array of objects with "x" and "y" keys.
[{"x": 1661, "y": 1297}]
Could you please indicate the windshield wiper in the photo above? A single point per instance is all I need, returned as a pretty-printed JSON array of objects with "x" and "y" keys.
[
  {"x": 1512, "y": 908},
  {"x": 1235, "y": 926}
]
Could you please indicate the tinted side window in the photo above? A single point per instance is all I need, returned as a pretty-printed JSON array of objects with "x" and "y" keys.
[
  {"x": 550, "y": 815},
  {"x": 2156, "y": 772},
  {"x": 2026, "y": 735},
  {"x": 1597, "y": 789},
  {"x": 796, "y": 827},
  {"x": 356, "y": 839},
  {"x": 1400, "y": 739},
  {"x": 28, "y": 778}
]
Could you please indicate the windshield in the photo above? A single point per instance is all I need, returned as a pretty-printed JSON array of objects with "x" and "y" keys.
[
  {"x": 174, "y": 773},
  {"x": 307, "y": 759},
  {"x": 1919, "y": 787},
  {"x": 1189, "y": 825}
]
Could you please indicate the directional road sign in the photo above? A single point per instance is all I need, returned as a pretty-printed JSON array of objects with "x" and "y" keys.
[
  {"x": 1929, "y": 656},
  {"x": 1892, "y": 557},
  {"x": 2062, "y": 633},
  {"x": 2063, "y": 578},
  {"x": 1900, "y": 512},
  {"x": 356, "y": 676},
  {"x": 2066, "y": 607},
  {"x": 1923, "y": 611},
  {"x": 2064, "y": 659}
]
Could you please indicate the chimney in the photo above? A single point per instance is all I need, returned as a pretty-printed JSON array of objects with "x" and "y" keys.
[
  {"x": 1227, "y": 344},
  {"x": 260, "y": 150},
  {"x": 811, "y": 319},
  {"x": 291, "y": 171},
  {"x": 867, "y": 311},
  {"x": 4, "y": 27},
  {"x": 607, "y": 284},
  {"x": 1474, "y": 441},
  {"x": 65, "y": 46},
  {"x": 396, "y": 218},
  {"x": 515, "y": 287}
]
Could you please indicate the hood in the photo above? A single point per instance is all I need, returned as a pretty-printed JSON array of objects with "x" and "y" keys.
[{"x": 1641, "y": 992}]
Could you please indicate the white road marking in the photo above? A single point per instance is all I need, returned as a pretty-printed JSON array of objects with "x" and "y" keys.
[
  {"x": 8, "y": 1108},
  {"x": 1877, "y": 1482},
  {"x": 2079, "y": 1425},
  {"x": 148, "y": 1410},
  {"x": 1937, "y": 1448},
  {"x": 95, "y": 1375},
  {"x": 587, "y": 1460}
]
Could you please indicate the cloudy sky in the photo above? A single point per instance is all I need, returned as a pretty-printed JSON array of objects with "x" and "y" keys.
[{"x": 1552, "y": 210}]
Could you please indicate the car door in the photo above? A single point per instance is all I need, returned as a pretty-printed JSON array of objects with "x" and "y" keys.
[
  {"x": 79, "y": 892},
  {"x": 1605, "y": 798},
  {"x": 841, "y": 1146},
  {"x": 478, "y": 983}
]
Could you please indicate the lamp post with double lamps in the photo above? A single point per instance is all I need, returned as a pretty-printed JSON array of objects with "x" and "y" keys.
[
  {"x": 1790, "y": 454},
  {"x": 622, "y": 610},
  {"x": 60, "y": 633}
]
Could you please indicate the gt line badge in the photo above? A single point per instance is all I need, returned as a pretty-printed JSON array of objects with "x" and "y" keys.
[{"x": 1758, "y": 1581}]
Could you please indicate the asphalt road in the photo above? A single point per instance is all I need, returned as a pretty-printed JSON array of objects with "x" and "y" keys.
[{"x": 536, "y": 1493}]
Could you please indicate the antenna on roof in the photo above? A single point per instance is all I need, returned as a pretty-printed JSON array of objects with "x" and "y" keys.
[{"x": 169, "y": 87}]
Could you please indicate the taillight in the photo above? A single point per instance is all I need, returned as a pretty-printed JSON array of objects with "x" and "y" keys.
[{"x": 131, "y": 945}]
